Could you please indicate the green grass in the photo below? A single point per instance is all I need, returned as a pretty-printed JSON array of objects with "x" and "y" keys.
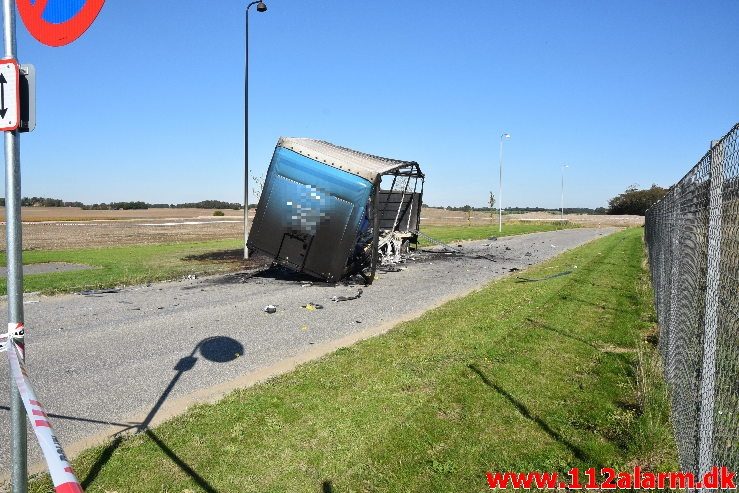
[
  {"x": 449, "y": 234},
  {"x": 138, "y": 264},
  {"x": 517, "y": 376},
  {"x": 125, "y": 265}
]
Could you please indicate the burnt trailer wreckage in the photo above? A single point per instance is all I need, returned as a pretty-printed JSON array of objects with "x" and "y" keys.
[{"x": 323, "y": 209}]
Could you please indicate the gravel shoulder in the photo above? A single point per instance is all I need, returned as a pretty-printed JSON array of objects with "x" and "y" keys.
[{"x": 101, "y": 363}]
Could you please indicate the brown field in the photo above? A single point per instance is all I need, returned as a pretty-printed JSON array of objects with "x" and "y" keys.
[{"x": 70, "y": 227}]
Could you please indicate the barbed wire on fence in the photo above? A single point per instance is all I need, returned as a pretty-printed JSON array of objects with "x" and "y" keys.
[{"x": 692, "y": 238}]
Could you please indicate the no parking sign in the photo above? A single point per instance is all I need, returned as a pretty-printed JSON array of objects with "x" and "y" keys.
[{"x": 58, "y": 22}]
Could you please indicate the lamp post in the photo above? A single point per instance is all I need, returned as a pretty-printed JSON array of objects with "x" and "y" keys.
[
  {"x": 503, "y": 136},
  {"x": 562, "y": 203},
  {"x": 261, "y": 7}
]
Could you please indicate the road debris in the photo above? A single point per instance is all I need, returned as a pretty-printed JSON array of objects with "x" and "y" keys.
[
  {"x": 311, "y": 307},
  {"x": 270, "y": 309},
  {"x": 347, "y": 298},
  {"x": 95, "y": 292}
]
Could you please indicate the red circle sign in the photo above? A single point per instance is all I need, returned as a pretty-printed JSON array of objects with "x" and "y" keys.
[{"x": 63, "y": 23}]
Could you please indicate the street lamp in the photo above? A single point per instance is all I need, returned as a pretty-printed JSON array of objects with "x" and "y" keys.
[
  {"x": 562, "y": 203},
  {"x": 503, "y": 136},
  {"x": 261, "y": 7}
]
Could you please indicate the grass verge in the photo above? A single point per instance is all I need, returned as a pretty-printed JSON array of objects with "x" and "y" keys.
[
  {"x": 138, "y": 264},
  {"x": 517, "y": 376},
  {"x": 126, "y": 265},
  {"x": 449, "y": 234}
]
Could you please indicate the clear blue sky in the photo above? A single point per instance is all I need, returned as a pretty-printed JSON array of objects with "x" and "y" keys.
[{"x": 148, "y": 104}]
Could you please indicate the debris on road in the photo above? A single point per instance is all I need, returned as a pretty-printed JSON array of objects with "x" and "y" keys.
[
  {"x": 95, "y": 292},
  {"x": 270, "y": 309},
  {"x": 313, "y": 307},
  {"x": 347, "y": 298}
]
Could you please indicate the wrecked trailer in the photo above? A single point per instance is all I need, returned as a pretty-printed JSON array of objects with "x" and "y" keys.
[{"x": 325, "y": 211}]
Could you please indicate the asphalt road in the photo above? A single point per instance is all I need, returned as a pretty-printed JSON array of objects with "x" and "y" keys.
[{"x": 111, "y": 361}]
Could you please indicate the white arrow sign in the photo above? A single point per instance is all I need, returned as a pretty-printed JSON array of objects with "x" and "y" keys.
[{"x": 9, "y": 94}]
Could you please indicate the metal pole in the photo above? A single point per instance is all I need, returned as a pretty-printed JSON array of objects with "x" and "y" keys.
[
  {"x": 18, "y": 447},
  {"x": 711, "y": 320},
  {"x": 500, "y": 188},
  {"x": 562, "y": 203},
  {"x": 246, "y": 131}
]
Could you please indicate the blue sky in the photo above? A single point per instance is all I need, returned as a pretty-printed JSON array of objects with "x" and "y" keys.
[{"x": 148, "y": 104}]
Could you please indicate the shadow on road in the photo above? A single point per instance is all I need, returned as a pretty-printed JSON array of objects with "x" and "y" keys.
[{"x": 218, "y": 349}]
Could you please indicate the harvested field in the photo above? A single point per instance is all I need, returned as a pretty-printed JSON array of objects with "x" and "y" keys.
[
  {"x": 40, "y": 214},
  {"x": 53, "y": 228}
]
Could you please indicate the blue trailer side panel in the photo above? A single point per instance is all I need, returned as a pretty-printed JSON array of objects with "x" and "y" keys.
[{"x": 309, "y": 214}]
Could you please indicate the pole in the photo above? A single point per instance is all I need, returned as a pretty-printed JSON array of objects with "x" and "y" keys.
[
  {"x": 500, "y": 189},
  {"x": 711, "y": 317},
  {"x": 246, "y": 131},
  {"x": 18, "y": 447},
  {"x": 562, "y": 202}
]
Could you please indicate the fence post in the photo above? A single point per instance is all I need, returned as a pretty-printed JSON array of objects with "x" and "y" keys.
[
  {"x": 675, "y": 228},
  {"x": 713, "y": 271}
]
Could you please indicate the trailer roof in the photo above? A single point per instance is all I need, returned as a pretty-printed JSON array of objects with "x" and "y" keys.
[{"x": 357, "y": 163}]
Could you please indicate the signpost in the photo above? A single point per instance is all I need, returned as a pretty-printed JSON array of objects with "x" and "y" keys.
[{"x": 53, "y": 23}]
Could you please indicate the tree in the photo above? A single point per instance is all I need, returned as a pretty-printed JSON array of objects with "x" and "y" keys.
[
  {"x": 491, "y": 203},
  {"x": 635, "y": 201}
]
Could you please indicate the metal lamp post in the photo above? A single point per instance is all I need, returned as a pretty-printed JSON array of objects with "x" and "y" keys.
[
  {"x": 503, "y": 136},
  {"x": 261, "y": 7},
  {"x": 562, "y": 203}
]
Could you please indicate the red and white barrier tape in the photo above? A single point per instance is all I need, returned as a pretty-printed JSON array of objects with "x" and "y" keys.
[{"x": 60, "y": 469}]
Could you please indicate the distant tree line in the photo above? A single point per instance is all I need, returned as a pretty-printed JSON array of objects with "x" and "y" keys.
[
  {"x": 131, "y": 205},
  {"x": 46, "y": 202},
  {"x": 635, "y": 201}
]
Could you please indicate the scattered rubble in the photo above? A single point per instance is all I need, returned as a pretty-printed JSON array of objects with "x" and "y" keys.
[{"x": 347, "y": 298}]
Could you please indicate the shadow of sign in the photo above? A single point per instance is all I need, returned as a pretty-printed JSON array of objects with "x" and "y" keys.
[{"x": 219, "y": 349}]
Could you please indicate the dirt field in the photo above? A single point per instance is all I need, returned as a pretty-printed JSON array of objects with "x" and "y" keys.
[{"x": 71, "y": 227}]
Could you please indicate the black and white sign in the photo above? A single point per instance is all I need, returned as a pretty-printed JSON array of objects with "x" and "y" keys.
[{"x": 9, "y": 95}]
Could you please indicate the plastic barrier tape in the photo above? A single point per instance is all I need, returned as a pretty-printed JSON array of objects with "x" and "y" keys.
[{"x": 60, "y": 469}]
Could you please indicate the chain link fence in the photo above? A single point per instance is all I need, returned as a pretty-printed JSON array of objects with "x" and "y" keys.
[{"x": 692, "y": 237}]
